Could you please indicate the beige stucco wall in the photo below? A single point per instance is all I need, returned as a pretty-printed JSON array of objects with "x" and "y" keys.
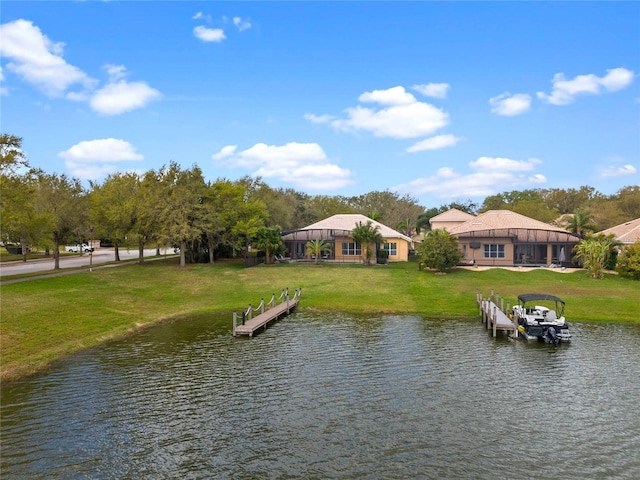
[
  {"x": 477, "y": 254},
  {"x": 402, "y": 254}
]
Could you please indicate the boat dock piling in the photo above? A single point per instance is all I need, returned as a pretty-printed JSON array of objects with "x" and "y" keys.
[
  {"x": 494, "y": 316},
  {"x": 267, "y": 312}
]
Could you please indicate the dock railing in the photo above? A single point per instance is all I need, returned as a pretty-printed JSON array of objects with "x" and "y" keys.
[
  {"x": 494, "y": 315},
  {"x": 282, "y": 305}
]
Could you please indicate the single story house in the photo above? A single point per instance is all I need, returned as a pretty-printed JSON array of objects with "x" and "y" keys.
[
  {"x": 336, "y": 231},
  {"x": 506, "y": 238},
  {"x": 449, "y": 219},
  {"x": 626, "y": 233}
]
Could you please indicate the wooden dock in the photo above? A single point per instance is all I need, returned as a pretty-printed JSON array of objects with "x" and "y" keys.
[
  {"x": 493, "y": 316},
  {"x": 265, "y": 313}
]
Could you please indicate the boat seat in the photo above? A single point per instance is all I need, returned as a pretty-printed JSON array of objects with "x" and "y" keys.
[{"x": 551, "y": 315}]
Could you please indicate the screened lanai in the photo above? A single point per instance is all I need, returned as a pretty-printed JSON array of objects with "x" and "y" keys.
[{"x": 518, "y": 246}]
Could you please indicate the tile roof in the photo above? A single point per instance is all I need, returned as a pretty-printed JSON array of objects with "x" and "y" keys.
[
  {"x": 347, "y": 221},
  {"x": 627, "y": 233},
  {"x": 496, "y": 219},
  {"x": 452, "y": 215}
]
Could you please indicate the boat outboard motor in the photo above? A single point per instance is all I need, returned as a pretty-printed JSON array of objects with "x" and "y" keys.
[{"x": 552, "y": 336}]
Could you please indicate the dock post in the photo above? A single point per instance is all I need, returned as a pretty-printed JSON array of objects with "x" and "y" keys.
[
  {"x": 495, "y": 320},
  {"x": 262, "y": 305},
  {"x": 250, "y": 310},
  {"x": 235, "y": 316},
  {"x": 502, "y": 304}
]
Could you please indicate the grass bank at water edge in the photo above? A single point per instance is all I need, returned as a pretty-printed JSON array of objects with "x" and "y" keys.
[{"x": 48, "y": 318}]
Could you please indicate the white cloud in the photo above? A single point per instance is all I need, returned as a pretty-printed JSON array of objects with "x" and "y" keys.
[
  {"x": 209, "y": 34},
  {"x": 103, "y": 150},
  {"x": 241, "y": 24},
  {"x": 510, "y": 105},
  {"x": 390, "y": 96},
  {"x": 499, "y": 164},
  {"x": 121, "y": 97},
  {"x": 3, "y": 90},
  {"x": 201, "y": 16},
  {"x": 401, "y": 115},
  {"x": 618, "y": 171},
  {"x": 436, "y": 90},
  {"x": 115, "y": 72},
  {"x": 94, "y": 159},
  {"x": 564, "y": 91},
  {"x": 318, "y": 118},
  {"x": 434, "y": 143},
  {"x": 304, "y": 165},
  {"x": 225, "y": 152},
  {"x": 38, "y": 60},
  {"x": 489, "y": 176}
]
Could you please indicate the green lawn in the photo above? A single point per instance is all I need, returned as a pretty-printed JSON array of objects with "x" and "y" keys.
[{"x": 48, "y": 318}]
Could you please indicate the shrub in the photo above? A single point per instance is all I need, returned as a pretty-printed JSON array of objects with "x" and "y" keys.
[
  {"x": 629, "y": 261},
  {"x": 439, "y": 250}
]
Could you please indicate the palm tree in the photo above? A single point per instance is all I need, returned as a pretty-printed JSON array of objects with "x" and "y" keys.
[
  {"x": 423, "y": 220},
  {"x": 594, "y": 252},
  {"x": 365, "y": 235},
  {"x": 316, "y": 247},
  {"x": 580, "y": 222}
]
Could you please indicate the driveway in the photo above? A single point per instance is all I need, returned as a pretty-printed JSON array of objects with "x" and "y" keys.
[{"x": 101, "y": 256}]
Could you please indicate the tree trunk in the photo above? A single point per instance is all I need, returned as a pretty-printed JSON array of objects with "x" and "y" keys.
[
  {"x": 140, "y": 252},
  {"x": 211, "y": 259},
  {"x": 23, "y": 244},
  {"x": 116, "y": 250},
  {"x": 183, "y": 246},
  {"x": 56, "y": 253}
]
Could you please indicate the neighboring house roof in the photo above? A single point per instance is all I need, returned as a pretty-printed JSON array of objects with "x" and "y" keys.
[
  {"x": 627, "y": 233},
  {"x": 503, "y": 219},
  {"x": 348, "y": 221},
  {"x": 452, "y": 215}
]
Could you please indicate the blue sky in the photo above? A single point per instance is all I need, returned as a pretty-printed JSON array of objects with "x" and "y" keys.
[{"x": 444, "y": 101}]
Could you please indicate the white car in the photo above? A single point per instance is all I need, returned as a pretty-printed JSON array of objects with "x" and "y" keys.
[{"x": 79, "y": 248}]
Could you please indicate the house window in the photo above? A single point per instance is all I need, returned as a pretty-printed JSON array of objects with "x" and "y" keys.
[
  {"x": 392, "y": 248},
  {"x": 493, "y": 251},
  {"x": 351, "y": 248}
]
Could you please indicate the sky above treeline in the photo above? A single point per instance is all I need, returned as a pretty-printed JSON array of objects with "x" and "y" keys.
[{"x": 444, "y": 101}]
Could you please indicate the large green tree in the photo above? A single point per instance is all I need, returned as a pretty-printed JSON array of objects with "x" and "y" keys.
[
  {"x": 368, "y": 236},
  {"x": 113, "y": 208},
  {"x": 12, "y": 157},
  {"x": 268, "y": 239},
  {"x": 183, "y": 213},
  {"x": 439, "y": 250},
  {"x": 63, "y": 207}
]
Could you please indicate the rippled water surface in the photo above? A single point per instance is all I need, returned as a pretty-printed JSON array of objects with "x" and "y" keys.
[{"x": 319, "y": 396}]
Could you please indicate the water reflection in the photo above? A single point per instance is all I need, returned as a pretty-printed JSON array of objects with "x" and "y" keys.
[{"x": 332, "y": 397}]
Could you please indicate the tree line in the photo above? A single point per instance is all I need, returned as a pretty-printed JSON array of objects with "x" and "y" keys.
[{"x": 173, "y": 206}]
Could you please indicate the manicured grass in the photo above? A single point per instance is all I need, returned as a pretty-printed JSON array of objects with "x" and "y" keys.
[{"x": 48, "y": 318}]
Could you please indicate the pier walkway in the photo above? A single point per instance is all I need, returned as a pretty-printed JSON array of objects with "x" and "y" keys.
[
  {"x": 266, "y": 313},
  {"x": 493, "y": 316}
]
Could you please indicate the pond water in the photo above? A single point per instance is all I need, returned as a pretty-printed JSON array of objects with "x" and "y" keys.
[{"x": 331, "y": 396}]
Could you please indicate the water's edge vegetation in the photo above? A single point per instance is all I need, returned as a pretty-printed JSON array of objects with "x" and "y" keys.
[{"x": 46, "y": 319}]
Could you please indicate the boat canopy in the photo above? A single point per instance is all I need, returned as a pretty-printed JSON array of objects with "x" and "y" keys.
[{"x": 531, "y": 297}]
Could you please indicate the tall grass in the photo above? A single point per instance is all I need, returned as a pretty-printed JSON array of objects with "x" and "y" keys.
[{"x": 48, "y": 318}]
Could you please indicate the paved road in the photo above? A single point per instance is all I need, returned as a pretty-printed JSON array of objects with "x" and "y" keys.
[{"x": 100, "y": 256}]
